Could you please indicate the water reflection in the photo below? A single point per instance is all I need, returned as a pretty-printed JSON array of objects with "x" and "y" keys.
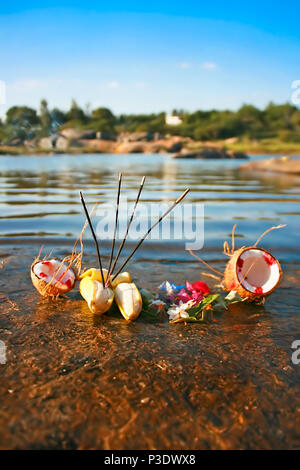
[{"x": 39, "y": 195}]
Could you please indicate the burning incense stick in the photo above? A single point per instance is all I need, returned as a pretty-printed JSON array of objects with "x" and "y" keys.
[
  {"x": 151, "y": 228},
  {"x": 127, "y": 230},
  {"x": 94, "y": 236},
  {"x": 116, "y": 223}
]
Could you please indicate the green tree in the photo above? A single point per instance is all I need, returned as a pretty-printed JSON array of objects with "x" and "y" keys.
[
  {"x": 58, "y": 118},
  {"x": 76, "y": 113},
  {"x": 278, "y": 117},
  {"x": 45, "y": 118},
  {"x": 103, "y": 120},
  {"x": 22, "y": 116},
  {"x": 104, "y": 114},
  {"x": 22, "y": 122},
  {"x": 295, "y": 120}
]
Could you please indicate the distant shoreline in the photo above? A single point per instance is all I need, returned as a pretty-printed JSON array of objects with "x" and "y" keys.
[
  {"x": 77, "y": 143},
  {"x": 23, "y": 151}
]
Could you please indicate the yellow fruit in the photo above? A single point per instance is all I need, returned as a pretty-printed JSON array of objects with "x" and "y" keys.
[
  {"x": 129, "y": 300},
  {"x": 94, "y": 274},
  {"x": 99, "y": 298},
  {"x": 122, "y": 277}
]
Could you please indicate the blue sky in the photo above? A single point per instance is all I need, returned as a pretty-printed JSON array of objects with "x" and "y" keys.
[{"x": 149, "y": 56}]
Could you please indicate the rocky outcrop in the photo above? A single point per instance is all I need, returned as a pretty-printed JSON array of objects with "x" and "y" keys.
[
  {"x": 278, "y": 165},
  {"x": 99, "y": 146},
  {"x": 207, "y": 153},
  {"x": 105, "y": 136},
  {"x": 132, "y": 147},
  {"x": 48, "y": 143},
  {"x": 137, "y": 142},
  {"x": 30, "y": 144},
  {"x": 125, "y": 137},
  {"x": 173, "y": 144},
  {"x": 62, "y": 143},
  {"x": 15, "y": 142},
  {"x": 169, "y": 145},
  {"x": 76, "y": 134}
]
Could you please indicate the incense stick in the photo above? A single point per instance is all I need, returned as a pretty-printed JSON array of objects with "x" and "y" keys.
[
  {"x": 127, "y": 230},
  {"x": 151, "y": 228},
  {"x": 116, "y": 224},
  {"x": 94, "y": 236}
]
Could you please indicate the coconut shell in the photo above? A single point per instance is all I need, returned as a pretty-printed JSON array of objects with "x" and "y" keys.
[
  {"x": 46, "y": 289},
  {"x": 232, "y": 282}
]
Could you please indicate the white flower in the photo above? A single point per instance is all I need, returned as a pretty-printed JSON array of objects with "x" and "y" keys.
[
  {"x": 180, "y": 311},
  {"x": 167, "y": 287}
]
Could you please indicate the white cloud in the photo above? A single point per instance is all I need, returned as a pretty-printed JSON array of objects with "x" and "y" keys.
[
  {"x": 209, "y": 66},
  {"x": 185, "y": 65},
  {"x": 28, "y": 84},
  {"x": 113, "y": 84},
  {"x": 140, "y": 84}
]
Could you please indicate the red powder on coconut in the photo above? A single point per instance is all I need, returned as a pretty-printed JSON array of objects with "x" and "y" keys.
[
  {"x": 269, "y": 259},
  {"x": 258, "y": 290},
  {"x": 240, "y": 263},
  {"x": 69, "y": 283}
]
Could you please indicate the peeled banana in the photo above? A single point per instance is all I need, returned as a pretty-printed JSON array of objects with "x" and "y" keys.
[
  {"x": 100, "y": 299},
  {"x": 129, "y": 300}
]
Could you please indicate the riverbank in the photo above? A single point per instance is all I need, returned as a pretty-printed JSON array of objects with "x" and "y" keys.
[{"x": 266, "y": 147}]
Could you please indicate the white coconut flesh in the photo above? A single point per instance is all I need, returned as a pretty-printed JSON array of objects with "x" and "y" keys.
[
  {"x": 53, "y": 271},
  {"x": 257, "y": 271}
]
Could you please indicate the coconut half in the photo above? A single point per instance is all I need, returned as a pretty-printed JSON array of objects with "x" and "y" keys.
[
  {"x": 52, "y": 277},
  {"x": 252, "y": 272}
]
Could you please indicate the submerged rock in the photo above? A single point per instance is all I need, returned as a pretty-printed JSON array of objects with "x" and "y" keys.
[
  {"x": 207, "y": 153},
  {"x": 278, "y": 165}
]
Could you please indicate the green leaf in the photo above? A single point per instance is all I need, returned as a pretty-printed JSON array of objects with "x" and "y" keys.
[
  {"x": 147, "y": 297},
  {"x": 233, "y": 297}
]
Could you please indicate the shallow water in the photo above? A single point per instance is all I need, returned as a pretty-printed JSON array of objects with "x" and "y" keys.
[{"x": 73, "y": 380}]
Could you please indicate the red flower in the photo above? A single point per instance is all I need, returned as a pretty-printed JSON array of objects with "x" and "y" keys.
[
  {"x": 194, "y": 292},
  {"x": 201, "y": 287}
]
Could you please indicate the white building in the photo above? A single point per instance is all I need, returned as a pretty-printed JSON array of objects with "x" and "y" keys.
[{"x": 172, "y": 120}]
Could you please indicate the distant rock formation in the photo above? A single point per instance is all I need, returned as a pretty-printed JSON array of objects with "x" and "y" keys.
[
  {"x": 76, "y": 134},
  {"x": 278, "y": 165},
  {"x": 99, "y": 146},
  {"x": 105, "y": 136},
  {"x": 125, "y": 137},
  {"x": 169, "y": 145},
  {"x": 48, "y": 143},
  {"x": 136, "y": 142},
  {"x": 62, "y": 143},
  {"x": 207, "y": 153}
]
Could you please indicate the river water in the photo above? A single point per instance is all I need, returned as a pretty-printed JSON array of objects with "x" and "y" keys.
[{"x": 72, "y": 380}]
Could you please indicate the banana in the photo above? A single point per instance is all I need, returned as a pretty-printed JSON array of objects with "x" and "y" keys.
[
  {"x": 94, "y": 274},
  {"x": 99, "y": 298},
  {"x": 129, "y": 300},
  {"x": 122, "y": 277}
]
